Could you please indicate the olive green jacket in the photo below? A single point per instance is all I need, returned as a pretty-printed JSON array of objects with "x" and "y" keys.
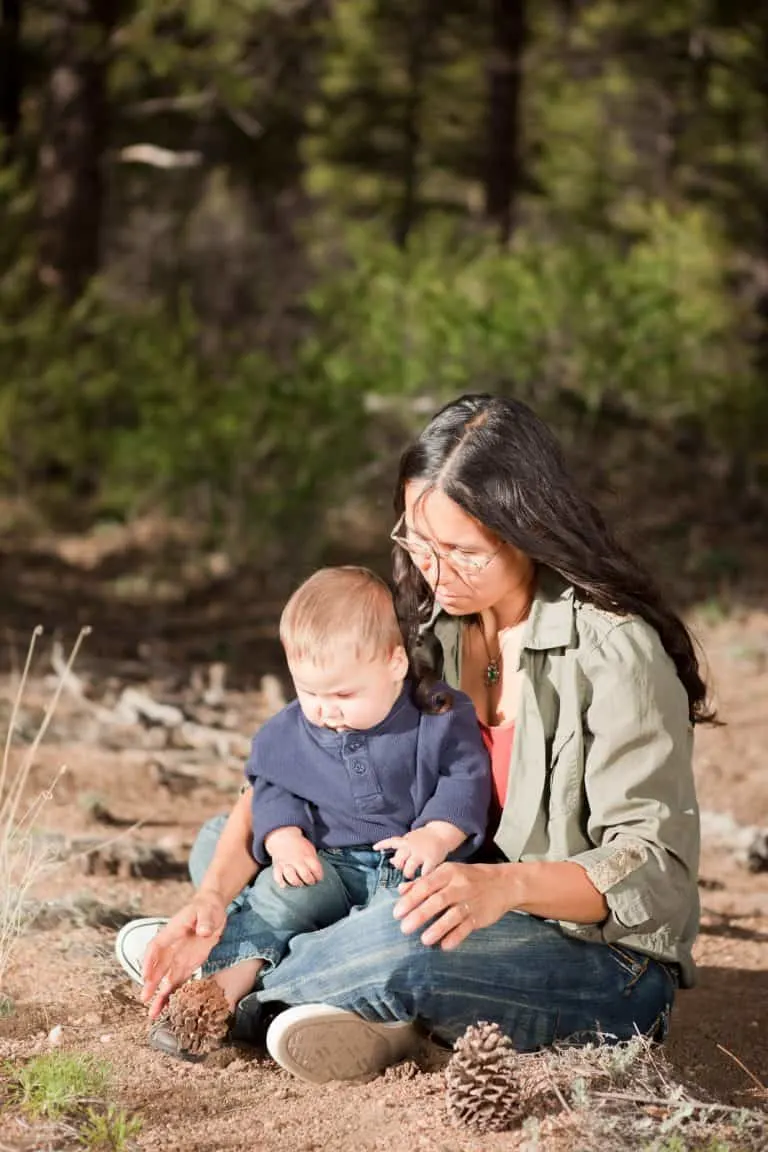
[{"x": 601, "y": 768}]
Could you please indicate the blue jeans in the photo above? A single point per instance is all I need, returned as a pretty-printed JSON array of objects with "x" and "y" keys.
[
  {"x": 263, "y": 920},
  {"x": 523, "y": 973}
]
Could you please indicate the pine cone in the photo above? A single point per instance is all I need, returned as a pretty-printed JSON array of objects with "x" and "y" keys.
[
  {"x": 199, "y": 1015},
  {"x": 481, "y": 1084}
]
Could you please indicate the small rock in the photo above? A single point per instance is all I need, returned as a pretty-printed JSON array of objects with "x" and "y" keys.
[{"x": 757, "y": 852}]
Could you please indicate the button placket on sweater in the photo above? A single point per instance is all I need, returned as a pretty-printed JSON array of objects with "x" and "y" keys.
[{"x": 355, "y": 754}]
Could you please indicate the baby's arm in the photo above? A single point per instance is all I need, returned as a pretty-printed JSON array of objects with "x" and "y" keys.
[
  {"x": 275, "y": 810},
  {"x": 283, "y": 822},
  {"x": 457, "y": 810},
  {"x": 462, "y": 794}
]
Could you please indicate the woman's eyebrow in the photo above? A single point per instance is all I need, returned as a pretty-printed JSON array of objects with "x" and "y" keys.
[{"x": 411, "y": 531}]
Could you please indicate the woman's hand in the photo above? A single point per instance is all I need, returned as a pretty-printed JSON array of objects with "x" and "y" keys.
[
  {"x": 181, "y": 947},
  {"x": 459, "y": 898}
]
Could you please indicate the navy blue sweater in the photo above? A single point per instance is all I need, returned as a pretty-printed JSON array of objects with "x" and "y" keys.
[{"x": 351, "y": 788}]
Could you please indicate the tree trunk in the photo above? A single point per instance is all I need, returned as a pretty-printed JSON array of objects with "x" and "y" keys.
[
  {"x": 73, "y": 139},
  {"x": 10, "y": 70},
  {"x": 420, "y": 28},
  {"x": 503, "y": 172}
]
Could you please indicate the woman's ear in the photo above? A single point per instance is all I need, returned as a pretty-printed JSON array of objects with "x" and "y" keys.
[{"x": 398, "y": 663}]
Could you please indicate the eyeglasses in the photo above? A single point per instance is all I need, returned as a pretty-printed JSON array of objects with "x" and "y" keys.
[{"x": 421, "y": 552}]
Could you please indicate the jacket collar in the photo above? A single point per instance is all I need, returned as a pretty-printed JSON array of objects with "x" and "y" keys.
[
  {"x": 551, "y": 620},
  {"x": 551, "y": 623}
]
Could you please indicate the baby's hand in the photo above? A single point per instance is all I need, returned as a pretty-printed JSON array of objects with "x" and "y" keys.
[
  {"x": 423, "y": 848},
  {"x": 295, "y": 861}
]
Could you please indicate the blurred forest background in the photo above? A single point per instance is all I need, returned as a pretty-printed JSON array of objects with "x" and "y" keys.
[{"x": 247, "y": 246}]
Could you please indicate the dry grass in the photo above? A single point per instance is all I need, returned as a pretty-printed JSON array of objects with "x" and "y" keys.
[
  {"x": 615, "y": 1097},
  {"x": 23, "y": 856}
]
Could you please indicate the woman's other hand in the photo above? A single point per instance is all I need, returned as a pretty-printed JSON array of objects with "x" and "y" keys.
[
  {"x": 181, "y": 947},
  {"x": 457, "y": 899}
]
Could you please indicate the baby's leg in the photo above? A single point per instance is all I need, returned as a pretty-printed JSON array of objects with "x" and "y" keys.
[
  {"x": 258, "y": 932},
  {"x": 239, "y": 980}
]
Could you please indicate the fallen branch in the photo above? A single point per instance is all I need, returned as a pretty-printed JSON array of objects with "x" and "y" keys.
[
  {"x": 134, "y": 705},
  {"x": 156, "y": 157}
]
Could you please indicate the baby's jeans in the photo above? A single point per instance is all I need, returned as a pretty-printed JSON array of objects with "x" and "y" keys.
[{"x": 264, "y": 918}]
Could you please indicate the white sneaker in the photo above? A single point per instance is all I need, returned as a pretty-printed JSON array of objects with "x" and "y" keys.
[
  {"x": 319, "y": 1043},
  {"x": 132, "y": 942}
]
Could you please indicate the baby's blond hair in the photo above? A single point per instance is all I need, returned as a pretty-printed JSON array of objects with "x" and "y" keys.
[{"x": 347, "y": 606}]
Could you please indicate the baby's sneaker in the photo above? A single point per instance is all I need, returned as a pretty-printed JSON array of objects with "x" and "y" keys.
[{"x": 132, "y": 942}]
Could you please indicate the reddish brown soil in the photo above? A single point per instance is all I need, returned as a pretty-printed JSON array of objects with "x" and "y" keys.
[{"x": 65, "y": 974}]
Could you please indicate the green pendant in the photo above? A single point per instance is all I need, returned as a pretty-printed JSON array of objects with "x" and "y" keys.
[{"x": 492, "y": 674}]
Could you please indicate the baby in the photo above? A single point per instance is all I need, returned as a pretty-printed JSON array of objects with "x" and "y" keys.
[{"x": 355, "y": 785}]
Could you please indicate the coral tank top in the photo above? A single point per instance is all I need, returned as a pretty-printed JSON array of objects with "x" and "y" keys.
[{"x": 498, "y": 739}]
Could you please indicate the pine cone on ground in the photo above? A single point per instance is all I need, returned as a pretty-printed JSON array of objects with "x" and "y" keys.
[
  {"x": 481, "y": 1083},
  {"x": 199, "y": 1015}
]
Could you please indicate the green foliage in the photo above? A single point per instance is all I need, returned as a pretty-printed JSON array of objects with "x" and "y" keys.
[
  {"x": 127, "y": 408},
  {"x": 646, "y": 319},
  {"x": 315, "y": 136},
  {"x": 124, "y": 409},
  {"x": 112, "y": 1130},
  {"x": 58, "y": 1083},
  {"x": 679, "y": 1143},
  {"x": 400, "y": 94}
]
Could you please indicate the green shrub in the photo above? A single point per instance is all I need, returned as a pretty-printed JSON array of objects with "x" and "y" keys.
[
  {"x": 59, "y": 1083},
  {"x": 111, "y": 409},
  {"x": 117, "y": 411},
  {"x": 112, "y": 1130},
  {"x": 645, "y": 315}
]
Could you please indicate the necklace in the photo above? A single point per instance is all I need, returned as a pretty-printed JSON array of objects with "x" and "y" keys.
[{"x": 492, "y": 673}]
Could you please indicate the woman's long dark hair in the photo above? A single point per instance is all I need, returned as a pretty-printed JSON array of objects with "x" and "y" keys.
[{"x": 503, "y": 466}]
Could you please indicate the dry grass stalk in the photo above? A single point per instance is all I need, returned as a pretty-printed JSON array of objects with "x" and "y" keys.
[
  {"x": 23, "y": 857},
  {"x": 619, "y": 1096},
  {"x": 627, "y": 1096},
  {"x": 759, "y": 1090}
]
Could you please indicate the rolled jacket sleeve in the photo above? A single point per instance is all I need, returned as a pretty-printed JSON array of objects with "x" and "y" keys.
[{"x": 642, "y": 811}]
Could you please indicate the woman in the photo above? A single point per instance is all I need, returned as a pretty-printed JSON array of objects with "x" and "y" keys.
[{"x": 580, "y": 919}]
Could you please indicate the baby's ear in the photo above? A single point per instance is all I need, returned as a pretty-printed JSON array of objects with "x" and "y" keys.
[{"x": 398, "y": 663}]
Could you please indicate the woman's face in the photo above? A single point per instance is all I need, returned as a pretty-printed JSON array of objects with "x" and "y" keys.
[{"x": 466, "y": 565}]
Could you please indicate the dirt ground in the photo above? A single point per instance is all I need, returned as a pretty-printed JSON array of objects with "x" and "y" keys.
[{"x": 123, "y": 769}]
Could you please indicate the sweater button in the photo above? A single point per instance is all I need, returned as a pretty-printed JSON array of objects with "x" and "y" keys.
[{"x": 358, "y": 767}]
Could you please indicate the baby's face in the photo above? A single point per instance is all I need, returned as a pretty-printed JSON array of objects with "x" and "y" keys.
[{"x": 345, "y": 692}]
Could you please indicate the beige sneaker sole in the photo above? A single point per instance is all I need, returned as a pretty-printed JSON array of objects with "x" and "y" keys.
[{"x": 318, "y": 1043}]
